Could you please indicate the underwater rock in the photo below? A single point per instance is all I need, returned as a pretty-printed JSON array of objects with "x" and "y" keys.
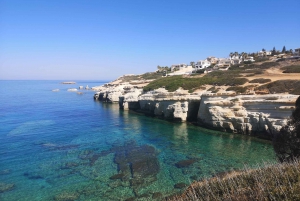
[
  {"x": 130, "y": 199},
  {"x": 6, "y": 187},
  {"x": 66, "y": 196},
  {"x": 145, "y": 195},
  {"x": 180, "y": 185},
  {"x": 185, "y": 163},
  {"x": 4, "y": 172},
  {"x": 136, "y": 182},
  {"x": 194, "y": 177},
  {"x": 157, "y": 195},
  {"x": 115, "y": 184},
  {"x": 139, "y": 162},
  {"x": 70, "y": 165},
  {"x": 86, "y": 154},
  {"x": 117, "y": 176},
  {"x": 32, "y": 176}
]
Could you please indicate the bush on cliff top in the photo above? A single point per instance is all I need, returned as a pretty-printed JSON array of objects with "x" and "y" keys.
[
  {"x": 281, "y": 86},
  {"x": 291, "y": 69},
  {"x": 237, "y": 89},
  {"x": 260, "y": 80},
  {"x": 174, "y": 82}
]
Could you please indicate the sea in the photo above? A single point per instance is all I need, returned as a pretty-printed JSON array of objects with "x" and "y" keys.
[{"x": 62, "y": 145}]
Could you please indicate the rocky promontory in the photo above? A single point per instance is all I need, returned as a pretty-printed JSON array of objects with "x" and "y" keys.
[{"x": 245, "y": 108}]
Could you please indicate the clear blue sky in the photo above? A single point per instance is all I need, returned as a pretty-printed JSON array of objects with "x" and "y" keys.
[{"x": 70, "y": 39}]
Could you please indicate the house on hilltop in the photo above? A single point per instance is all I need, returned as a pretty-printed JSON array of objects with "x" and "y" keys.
[
  {"x": 223, "y": 64},
  {"x": 297, "y": 52},
  {"x": 264, "y": 53},
  {"x": 236, "y": 59},
  {"x": 202, "y": 64},
  {"x": 175, "y": 67},
  {"x": 212, "y": 60},
  {"x": 250, "y": 59}
]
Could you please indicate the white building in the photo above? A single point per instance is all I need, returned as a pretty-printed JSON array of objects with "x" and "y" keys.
[
  {"x": 202, "y": 64},
  {"x": 249, "y": 59},
  {"x": 223, "y": 64},
  {"x": 236, "y": 59},
  {"x": 264, "y": 53},
  {"x": 297, "y": 52},
  {"x": 212, "y": 60},
  {"x": 175, "y": 67}
]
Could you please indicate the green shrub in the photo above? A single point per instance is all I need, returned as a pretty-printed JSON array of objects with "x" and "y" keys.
[
  {"x": 237, "y": 89},
  {"x": 213, "y": 89},
  {"x": 150, "y": 76},
  {"x": 260, "y": 80},
  {"x": 247, "y": 62},
  {"x": 214, "y": 78},
  {"x": 201, "y": 71},
  {"x": 267, "y": 65},
  {"x": 291, "y": 69},
  {"x": 282, "y": 86},
  {"x": 261, "y": 59}
]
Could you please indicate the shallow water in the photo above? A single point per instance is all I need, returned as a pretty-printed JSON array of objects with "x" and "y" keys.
[{"x": 62, "y": 145}]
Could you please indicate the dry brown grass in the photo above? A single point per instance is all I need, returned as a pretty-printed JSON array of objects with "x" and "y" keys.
[{"x": 270, "y": 182}]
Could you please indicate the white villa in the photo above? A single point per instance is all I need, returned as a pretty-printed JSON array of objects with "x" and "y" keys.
[
  {"x": 264, "y": 53},
  {"x": 212, "y": 60},
  {"x": 202, "y": 64},
  {"x": 175, "y": 67},
  {"x": 297, "y": 52},
  {"x": 223, "y": 64},
  {"x": 249, "y": 59},
  {"x": 236, "y": 59}
]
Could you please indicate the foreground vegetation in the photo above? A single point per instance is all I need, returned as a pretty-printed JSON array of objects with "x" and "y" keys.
[{"x": 272, "y": 182}]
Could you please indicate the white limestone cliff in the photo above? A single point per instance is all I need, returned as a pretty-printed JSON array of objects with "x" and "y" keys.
[{"x": 247, "y": 114}]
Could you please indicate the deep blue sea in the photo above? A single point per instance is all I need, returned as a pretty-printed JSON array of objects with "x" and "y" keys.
[{"x": 66, "y": 146}]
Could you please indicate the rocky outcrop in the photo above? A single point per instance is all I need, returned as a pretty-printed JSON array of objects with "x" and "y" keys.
[
  {"x": 112, "y": 93},
  {"x": 226, "y": 111},
  {"x": 170, "y": 105},
  {"x": 246, "y": 114}
]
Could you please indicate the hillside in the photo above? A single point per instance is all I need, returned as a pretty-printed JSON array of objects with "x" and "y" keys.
[{"x": 261, "y": 78}]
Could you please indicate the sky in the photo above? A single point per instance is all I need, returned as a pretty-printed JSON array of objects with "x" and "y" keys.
[{"x": 104, "y": 39}]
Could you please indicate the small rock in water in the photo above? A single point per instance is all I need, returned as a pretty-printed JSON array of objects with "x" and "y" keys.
[
  {"x": 136, "y": 182},
  {"x": 70, "y": 165},
  {"x": 66, "y": 196},
  {"x": 72, "y": 89},
  {"x": 117, "y": 176},
  {"x": 180, "y": 185},
  {"x": 194, "y": 177},
  {"x": 6, "y": 171},
  {"x": 130, "y": 199},
  {"x": 185, "y": 163},
  {"x": 32, "y": 176},
  {"x": 156, "y": 195},
  {"x": 6, "y": 187}
]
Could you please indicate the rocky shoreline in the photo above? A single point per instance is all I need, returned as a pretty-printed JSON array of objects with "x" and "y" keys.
[{"x": 249, "y": 114}]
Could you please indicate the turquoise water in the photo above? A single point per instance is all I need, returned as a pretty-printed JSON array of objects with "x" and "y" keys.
[{"x": 66, "y": 146}]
